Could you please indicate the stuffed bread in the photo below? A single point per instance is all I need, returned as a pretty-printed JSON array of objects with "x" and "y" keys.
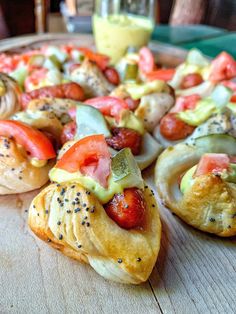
[
  {"x": 197, "y": 182},
  {"x": 98, "y": 211},
  {"x": 26, "y": 156}
]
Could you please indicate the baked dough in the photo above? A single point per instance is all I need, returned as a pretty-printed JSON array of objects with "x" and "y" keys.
[
  {"x": 9, "y": 96},
  {"x": 17, "y": 174},
  {"x": 41, "y": 120},
  {"x": 72, "y": 220},
  {"x": 91, "y": 79},
  {"x": 209, "y": 204},
  {"x": 58, "y": 106}
]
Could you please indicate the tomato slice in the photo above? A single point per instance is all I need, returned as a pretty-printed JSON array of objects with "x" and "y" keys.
[
  {"x": 223, "y": 67},
  {"x": 34, "y": 141},
  {"x": 162, "y": 74},
  {"x": 146, "y": 60},
  {"x": 32, "y": 81},
  {"x": 91, "y": 157},
  {"x": 108, "y": 105},
  {"x": 100, "y": 59},
  {"x": 212, "y": 163},
  {"x": 186, "y": 103},
  {"x": 231, "y": 85}
]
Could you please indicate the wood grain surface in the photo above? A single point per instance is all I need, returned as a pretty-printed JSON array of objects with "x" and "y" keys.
[{"x": 194, "y": 273}]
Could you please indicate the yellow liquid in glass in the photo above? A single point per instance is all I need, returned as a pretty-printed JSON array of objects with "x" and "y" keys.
[{"x": 115, "y": 33}]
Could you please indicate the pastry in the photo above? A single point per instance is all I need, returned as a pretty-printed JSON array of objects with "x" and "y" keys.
[
  {"x": 26, "y": 156},
  {"x": 78, "y": 213},
  {"x": 197, "y": 182},
  {"x": 9, "y": 96}
]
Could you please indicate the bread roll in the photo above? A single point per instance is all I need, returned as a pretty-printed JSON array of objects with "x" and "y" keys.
[{"x": 72, "y": 220}]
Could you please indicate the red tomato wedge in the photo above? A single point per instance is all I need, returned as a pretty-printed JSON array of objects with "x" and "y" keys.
[
  {"x": 231, "y": 85},
  {"x": 186, "y": 103},
  {"x": 212, "y": 163},
  {"x": 161, "y": 74},
  {"x": 101, "y": 60},
  {"x": 109, "y": 106},
  {"x": 34, "y": 141},
  {"x": 34, "y": 78},
  {"x": 223, "y": 67},
  {"x": 146, "y": 60},
  {"x": 91, "y": 157}
]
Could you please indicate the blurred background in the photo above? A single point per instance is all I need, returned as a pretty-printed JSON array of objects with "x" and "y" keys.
[{"x": 211, "y": 23}]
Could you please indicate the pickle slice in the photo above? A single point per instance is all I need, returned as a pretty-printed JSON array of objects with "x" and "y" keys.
[
  {"x": 90, "y": 121},
  {"x": 131, "y": 72},
  {"x": 125, "y": 170}
]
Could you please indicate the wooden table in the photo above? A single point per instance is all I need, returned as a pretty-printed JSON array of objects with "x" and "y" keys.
[{"x": 194, "y": 273}]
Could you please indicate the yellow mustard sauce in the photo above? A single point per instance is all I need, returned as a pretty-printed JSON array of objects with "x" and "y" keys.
[{"x": 115, "y": 33}]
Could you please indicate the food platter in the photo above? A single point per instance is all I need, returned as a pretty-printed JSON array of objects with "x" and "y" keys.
[{"x": 195, "y": 272}]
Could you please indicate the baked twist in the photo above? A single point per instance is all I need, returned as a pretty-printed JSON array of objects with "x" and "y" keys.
[
  {"x": 72, "y": 220},
  {"x": 209, "y": 204},
  {"x": 17, "y": 174},
  {"x": 9, "y": 96}
]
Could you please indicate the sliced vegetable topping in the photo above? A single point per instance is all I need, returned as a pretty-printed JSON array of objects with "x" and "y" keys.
[
  {"x": 146, "y": 60},
  {"x": 173, "y": 129},
  {"x": 100, "y": 59},
  {"x": 109, "y": 106},
  {"x": 212, "y": 163},
  {"x": 34, "y": 141},
  {"x": 33, "y": 80},
  {"x": 91, "y": 157},
  {"x": 186, "y": 103},
  {"x": 161, "y": 74},
  {"x": 223, "y": 67},
  {"x": 127, "y": 209},
  {"x": 125, "y": 137}
]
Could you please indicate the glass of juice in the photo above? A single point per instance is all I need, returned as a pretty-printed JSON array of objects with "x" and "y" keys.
[{"x": 119, "y": 24}]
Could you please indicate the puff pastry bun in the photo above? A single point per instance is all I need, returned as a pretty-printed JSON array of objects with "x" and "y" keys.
[
  {"x": 209, "y": 204},
  {"x": 17, "y": 174},
  {"x": 9, "y": 96},
  {"x": 73, "y": 221}
]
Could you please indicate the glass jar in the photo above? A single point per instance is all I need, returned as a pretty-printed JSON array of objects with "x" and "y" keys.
[{"x": 119, "y": 24}]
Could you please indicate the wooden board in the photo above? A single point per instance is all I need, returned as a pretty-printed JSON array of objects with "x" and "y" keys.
[{"x": 194, "y": 273}]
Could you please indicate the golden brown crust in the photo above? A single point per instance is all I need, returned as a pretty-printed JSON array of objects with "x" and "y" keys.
[
  {"x": 77, "y": 224},
  {"x": 9, "y": 96},
  {"x": 208, "y": 205},
  {"x": 17, "y": 175},
  {"x": 58, "y": 106}
]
